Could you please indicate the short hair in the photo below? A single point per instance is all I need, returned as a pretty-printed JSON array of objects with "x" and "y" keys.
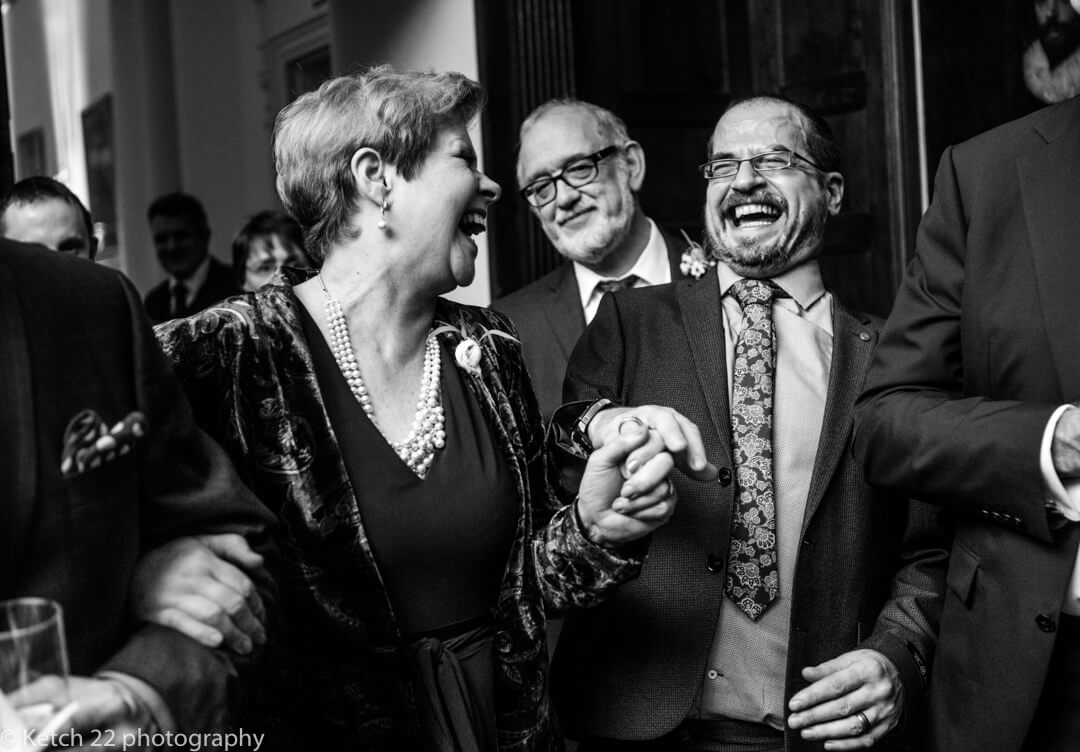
[
  {"x": 396, "y": 113},
  {"x": 610, "y": 125},
  {"x": 41, "y": 188},
  {"x": 178, "y": 204},
  {"x": 265, "y": 224},
  {"x": 821, "y": 144}
]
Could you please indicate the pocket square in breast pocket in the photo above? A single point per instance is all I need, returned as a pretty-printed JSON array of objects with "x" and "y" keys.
[{"x": 89, "y": 442}]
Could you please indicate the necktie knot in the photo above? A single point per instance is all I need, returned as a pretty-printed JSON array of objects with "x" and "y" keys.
[
  {"x": 756, "y": 291},
  {"x": 614, "y": 285}
]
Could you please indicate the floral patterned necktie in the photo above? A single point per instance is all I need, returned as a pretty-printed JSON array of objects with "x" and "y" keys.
[{"x": 753, "y": 577}]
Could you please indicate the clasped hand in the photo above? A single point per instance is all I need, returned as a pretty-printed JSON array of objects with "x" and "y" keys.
[
  {"x": 626, "y": 491},
  {"x": 200, "y": 586}
]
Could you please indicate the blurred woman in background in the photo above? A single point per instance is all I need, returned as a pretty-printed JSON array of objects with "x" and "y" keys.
[{"x": 266, "y": 242}]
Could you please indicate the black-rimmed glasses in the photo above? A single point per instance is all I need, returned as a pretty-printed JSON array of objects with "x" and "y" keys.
[
  {"x": 576, "y": 174},
  {"x": 771, "y": 160}
]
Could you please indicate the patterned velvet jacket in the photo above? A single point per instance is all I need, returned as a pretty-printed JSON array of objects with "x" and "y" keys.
[{"x": 341, "y": 675}]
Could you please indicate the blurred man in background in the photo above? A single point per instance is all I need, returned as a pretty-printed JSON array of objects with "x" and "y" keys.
[
  {"x": 181, "y": 237},
  {"x": 42, "y": 210}
]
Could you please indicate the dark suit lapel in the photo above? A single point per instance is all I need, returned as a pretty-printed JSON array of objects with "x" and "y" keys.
[
  {"x": 853, "y": 344},
  {"x": 563, "y": 309},
  {"x": 702, "y": 319},
  {"x": 1050, "y": 189},
  {"x": 18, "y": 449}
]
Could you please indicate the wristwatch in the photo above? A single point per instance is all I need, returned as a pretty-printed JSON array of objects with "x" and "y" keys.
[{"x": 580, "y": 431}]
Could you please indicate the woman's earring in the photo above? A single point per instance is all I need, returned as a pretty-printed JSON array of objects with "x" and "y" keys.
[{"x": 382, "y": 216}]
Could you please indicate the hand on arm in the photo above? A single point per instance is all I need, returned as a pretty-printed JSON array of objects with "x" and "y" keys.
[
  {"x": 859, "y": 681},
  {"x": 198, "y": 586}
]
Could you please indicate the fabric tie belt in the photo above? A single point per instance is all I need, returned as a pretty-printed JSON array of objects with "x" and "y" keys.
[{"x": 454, "y": 690}]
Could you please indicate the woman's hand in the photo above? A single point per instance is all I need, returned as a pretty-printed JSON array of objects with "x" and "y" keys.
[
  {"x": 626, "y": 491},
  {"x": 197, "y": 586}
]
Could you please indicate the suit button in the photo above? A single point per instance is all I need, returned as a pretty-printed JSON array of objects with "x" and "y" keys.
[
  {"x": 864, "y": 336},
  {"x": 1045, "y": 623},
  {"x": 715, "y": 563},
  {"x": 724, "y": 477}
]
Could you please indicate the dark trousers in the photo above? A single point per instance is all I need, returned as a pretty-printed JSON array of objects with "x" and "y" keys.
[
  {"x": 1056, "y": 726},
  {"x": 699, "y": 736}
]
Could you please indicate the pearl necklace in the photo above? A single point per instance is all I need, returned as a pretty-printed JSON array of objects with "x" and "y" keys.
[{"x": 428, "y": 433}]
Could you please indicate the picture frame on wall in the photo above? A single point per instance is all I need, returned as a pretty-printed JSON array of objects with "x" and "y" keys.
[{"x": 97, "y": 123}]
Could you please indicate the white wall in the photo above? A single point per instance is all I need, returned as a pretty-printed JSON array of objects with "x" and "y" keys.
[
  {"x": 28, "y": 76},
  {"x": 224, "y": 148}
]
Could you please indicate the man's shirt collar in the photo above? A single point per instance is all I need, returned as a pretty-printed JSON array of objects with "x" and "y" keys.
[{"x": 651, "y": 268}]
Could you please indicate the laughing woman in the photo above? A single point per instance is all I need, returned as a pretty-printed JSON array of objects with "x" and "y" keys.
[{"x": 422, "y": 544}]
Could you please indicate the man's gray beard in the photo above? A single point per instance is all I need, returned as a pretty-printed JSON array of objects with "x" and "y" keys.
[
  {"x": 592, "y": 245},
  {"x": 772, "y": 256}
]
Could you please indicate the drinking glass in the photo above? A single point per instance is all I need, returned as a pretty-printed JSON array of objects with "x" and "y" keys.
[{"x": 32, "y": 648}]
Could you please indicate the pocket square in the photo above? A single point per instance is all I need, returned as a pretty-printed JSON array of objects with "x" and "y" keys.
[{"x": 89, "y": 442}]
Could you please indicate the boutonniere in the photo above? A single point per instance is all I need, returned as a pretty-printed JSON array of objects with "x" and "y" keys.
[
  {"x": 694, "y": 262},
  {"x": 467, "y": 353},
  {"x": 89, "y": 442}
]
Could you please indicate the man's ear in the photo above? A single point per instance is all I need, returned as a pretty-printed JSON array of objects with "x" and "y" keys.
[
  {"x": 834, "y": 186},
  {"x": 369, "y": 174},
  {"x": 635, "y": 164}
]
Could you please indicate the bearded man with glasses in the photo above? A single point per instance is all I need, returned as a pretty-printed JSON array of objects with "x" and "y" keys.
[
  {"x": 788, "y": 604},
  {"x": 580, "y": 173}
]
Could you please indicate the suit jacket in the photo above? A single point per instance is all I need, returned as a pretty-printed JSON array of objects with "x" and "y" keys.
[
  {"x": 75, "y": 337},
  {"x": 548, "y": 314},
  {"x": 869, "y": 573},
  {"x": 979, "y": 350},
  {"x": 220, "y": 284},
  {"x": 346, "y": 667}
]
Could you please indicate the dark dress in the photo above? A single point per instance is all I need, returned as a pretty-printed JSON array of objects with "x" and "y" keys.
[{"x": 441, "y": 542}]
